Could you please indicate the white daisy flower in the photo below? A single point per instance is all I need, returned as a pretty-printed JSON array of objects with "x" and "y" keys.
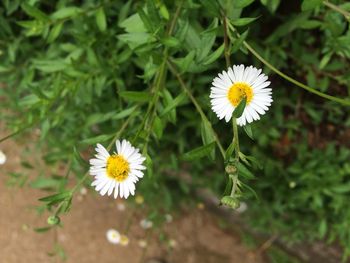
[
  {"x": 119, "y": 171},
  {"x": 113, "y": 236},
  {"x": 2, "y": 158},
  {"x": 230, "y": 87}
]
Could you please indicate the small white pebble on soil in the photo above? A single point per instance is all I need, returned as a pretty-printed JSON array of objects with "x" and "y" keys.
[{"x": 2, "y": 158}]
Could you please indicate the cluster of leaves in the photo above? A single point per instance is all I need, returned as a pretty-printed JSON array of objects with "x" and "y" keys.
[{"x": 81, "y": 71}]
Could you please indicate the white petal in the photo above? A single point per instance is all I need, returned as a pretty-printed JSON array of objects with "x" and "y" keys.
[
  {"x": 121, "y": 190},
  {"x": 102, "y": 150},
  {"x": 118, "y": 146},
  {"x": 106, "y": 187},
  {"x": 116, "y": 188},
  {"x": 101, "y": 185},
  {"x": 126, "y": 190},
  {"x": 231, "y": 75},
  {"x": 111, "y": 188},
  {"x": 97, "y": 162},
  {"x": 137, "y": 173}
]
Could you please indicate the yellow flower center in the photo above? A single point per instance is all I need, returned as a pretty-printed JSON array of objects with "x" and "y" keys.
[
  {"x": 117, "y": 167},
  {"x": 238, "y": 91}
]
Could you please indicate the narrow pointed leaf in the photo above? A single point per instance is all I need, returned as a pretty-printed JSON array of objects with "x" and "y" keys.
[{"x": 240, "y": 108}]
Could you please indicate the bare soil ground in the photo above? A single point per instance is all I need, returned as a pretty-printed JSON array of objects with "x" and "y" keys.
[{"x": 197, "y": 236}]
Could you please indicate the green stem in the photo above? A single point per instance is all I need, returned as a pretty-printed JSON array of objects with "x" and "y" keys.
[
  {"x": 16, "y": 132},
  {"x": 234, "y": 185},
  {"x": 235, "y": 138},
  {"x": 338, "y": 9},
  {"x": 157, "y": 83},
  {"x": 226, "y": 43},
  {"x": 290, "y": 79},
  {"x": 197, "y": 106}
]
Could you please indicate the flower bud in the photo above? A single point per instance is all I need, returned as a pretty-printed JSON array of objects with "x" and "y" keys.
[
  {"x": 53, "y": 220},
  {"x": 230, "y": 169},
  {"x": 230, "y": 202}
]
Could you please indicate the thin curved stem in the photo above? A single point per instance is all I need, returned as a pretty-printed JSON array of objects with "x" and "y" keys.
[
  {"x": 288, "y": 78},
  {"x": 16, "y": 132},
  {"x": 336, "y": 8},
  {"x": 157, "y": 82},
  {"x": 197, "y": 106},
  {"x": 235, "y": 138}
]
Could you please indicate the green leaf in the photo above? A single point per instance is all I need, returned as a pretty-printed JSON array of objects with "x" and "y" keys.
[
  {"x": 341, "y": 189},
  {"x": 229, "y": 151},
  {"x": 310, "y": 4},
  {"x": 158, "y": 127},
  {"x": 326, "y": 58},
  {"x": 199, "y": 152},
  {"x": 238, "y": 43},
  {"x": 212, "y": 7},
  {"x": 251, "y": 190},
  {"x": 133, "y": 24},
  {"x": 250, "y": 160},
  {"x": 149, "y": 165},
  {"x": 41, "y": 183},
  {"x": 50, "y": 66},
  {"x": 138, "y": 96},
  {"x": 322, "y": 229},
  {"x": 101, "y": 19},
  {"x": 207, "y": 136},
  {"x": 248, "y": 130},
  {"x": 164, "y": 11},
  {"x": 124, "y": 113},
  {"x": 145, "y": 19},
  {"x": 243, "y": 21},
  {"x": 184, "y": 63},
  {"x": 168, "y": 100},
  {"x": 97, "y": 139},
  {"x": 240, "y": 108},
  {"x": 207, "y": 40},
  {"x": 244, "y": 171},
  {"x": 153, "y": 12},
  {"x": 174, "y": 103},
  {"x": 57, "y": 197},
  {"x": 214, "y": 56},
  {"x": 242, "y": 3},
  {"x": 171, "y": 42},
  {"x": 228, "y": 186},
  {"x": 34, "y": 12},
  {"x": 271, "y": 5},
  {"x": 42, "y": 229},
  {"x": 55, "y": 32},
  {"x": 66, "y": 12},
  {"x": 78, "y": 157}
]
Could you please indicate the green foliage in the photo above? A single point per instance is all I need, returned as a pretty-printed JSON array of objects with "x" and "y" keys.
[{"x": 84, "y": 72}]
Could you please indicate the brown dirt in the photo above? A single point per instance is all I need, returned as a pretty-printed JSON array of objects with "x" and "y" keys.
[{"x": 197, "y": 234}]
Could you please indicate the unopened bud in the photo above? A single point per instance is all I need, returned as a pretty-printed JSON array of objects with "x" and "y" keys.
[
  {"x": 53, "y": 220},
  {"x": 230, "y": 169},
  {"x": 230, "y": 202}
]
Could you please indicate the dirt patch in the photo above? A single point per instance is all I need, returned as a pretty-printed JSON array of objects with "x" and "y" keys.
[{"x": 195, "y": 236}]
